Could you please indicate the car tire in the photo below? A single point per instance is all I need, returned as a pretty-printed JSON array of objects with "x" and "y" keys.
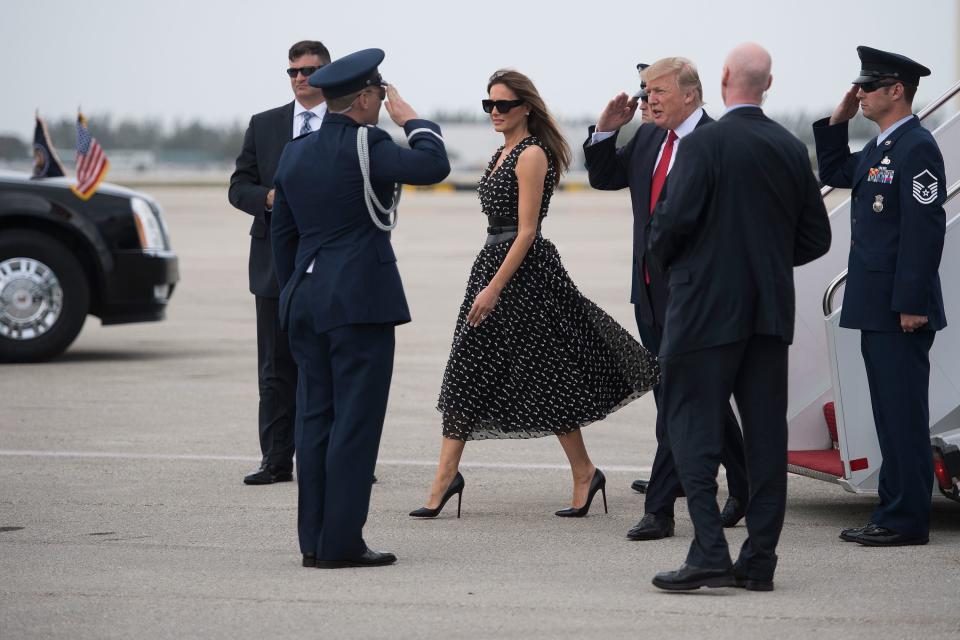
[{"x": 64, "y": 290}]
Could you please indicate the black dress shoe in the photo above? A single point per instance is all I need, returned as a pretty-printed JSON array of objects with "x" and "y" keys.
[
  {"x": 853, "y": 533},
  {"x": 653, "y": 526},
  {"x": 640, "y": 486},
  {"x": 742, "y": 580},
  {"x": 733, "y": 512},
  {"x": 877, "y": 536},
  {"x": 309, "y": 559},
  {"x": 268, "y": 475},
  {"x": 368, "y": 558},
  {"x": 689, "y": 577}
]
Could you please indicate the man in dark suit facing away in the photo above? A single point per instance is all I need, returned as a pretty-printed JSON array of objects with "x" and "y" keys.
[
  {"x": 744, "y": 209},
  {"x": 674, "y": 99},
  {"x": 251, "y": 191}
]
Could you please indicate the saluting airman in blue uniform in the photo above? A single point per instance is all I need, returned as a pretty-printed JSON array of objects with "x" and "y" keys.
[
  {"x": 893, "y": 291},
  {"x": 341, "y": 294}
]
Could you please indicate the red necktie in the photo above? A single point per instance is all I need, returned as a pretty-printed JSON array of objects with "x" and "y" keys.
[{"x": 659, "y": 177}]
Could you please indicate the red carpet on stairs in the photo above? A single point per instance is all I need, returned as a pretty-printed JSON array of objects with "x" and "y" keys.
[{"x": 826, "y": 461}]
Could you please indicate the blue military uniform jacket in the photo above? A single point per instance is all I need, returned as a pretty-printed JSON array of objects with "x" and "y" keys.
[
  {"x": 898, "y": 224},
  {"x": 319, "y": 215}
]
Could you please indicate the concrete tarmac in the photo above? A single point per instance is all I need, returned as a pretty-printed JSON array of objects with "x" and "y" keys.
[{"x": 123, "y": 513}]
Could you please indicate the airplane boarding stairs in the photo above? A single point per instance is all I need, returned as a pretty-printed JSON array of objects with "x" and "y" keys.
[{"x": 830, "y": 421}]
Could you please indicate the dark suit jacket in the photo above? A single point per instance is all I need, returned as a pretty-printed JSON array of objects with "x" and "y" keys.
[
  {"x": 632, "y": 165},
  {"x": 744, "y": 210},
  {"x": 319, "y": 214},
  {"x": 263, "y": 143},
  {"x": 894, "y": 253}
]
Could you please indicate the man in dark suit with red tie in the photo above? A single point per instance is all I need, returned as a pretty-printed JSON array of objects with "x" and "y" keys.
[
  {"x": 675, "y": 98},
  {"x": 744, "y": 209},
  {"x": 251, "y": 191}
]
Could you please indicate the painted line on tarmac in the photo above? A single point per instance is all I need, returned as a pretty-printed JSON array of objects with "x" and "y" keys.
[{"x": 114, "y": 455}]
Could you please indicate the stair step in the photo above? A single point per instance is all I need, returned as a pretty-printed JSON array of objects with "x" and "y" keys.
[{"x": 824, "y": 465}]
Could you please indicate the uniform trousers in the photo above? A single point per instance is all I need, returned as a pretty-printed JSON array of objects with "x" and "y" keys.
[
  {"x": 342, "y": 395},
  {"x": 898, "y": 372},
  {"x": 697, "y": 387},
  {"x": 664, "y": 487}
]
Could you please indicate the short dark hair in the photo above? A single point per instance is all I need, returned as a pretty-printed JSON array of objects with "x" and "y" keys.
[
  {"x": 309, "y": 47},
  {"x": 908, "y": 93},
  {"x": 341, "y": 103}
]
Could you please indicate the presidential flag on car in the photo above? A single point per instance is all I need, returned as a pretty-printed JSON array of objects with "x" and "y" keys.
[
  {"x": 46, "y": 164},
  {"x": 92, "y": 164}
]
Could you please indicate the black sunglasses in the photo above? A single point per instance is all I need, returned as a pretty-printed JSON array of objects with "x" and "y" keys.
[
  {"x": 306, "y": 71},
  {"x": 503, "y": 106},
  {"x": 870, "y": 87}
]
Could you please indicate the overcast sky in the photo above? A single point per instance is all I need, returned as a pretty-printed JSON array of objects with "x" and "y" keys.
[{"x": 221, "y": 61}]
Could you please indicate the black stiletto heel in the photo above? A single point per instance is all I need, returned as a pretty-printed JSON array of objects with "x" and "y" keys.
[
  {"x": 455, "y": 489},
  {"x": 599, "y": 483}
]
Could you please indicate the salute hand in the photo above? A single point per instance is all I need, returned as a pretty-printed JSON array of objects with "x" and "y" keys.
[
  {"x": 617, "y": 113},
  {"x": 398, "y": 108},
  {"x": 848, "y": 107}
]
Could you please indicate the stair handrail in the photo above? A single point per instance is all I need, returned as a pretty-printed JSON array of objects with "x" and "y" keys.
[
  {"x": 928, "y": 110},
  {"x": 842, "y": 278}
]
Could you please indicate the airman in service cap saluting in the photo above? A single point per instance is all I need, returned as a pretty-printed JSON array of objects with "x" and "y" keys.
[
  {"x": 341, "y": 296},
  {"x": 892, "y": 292}
]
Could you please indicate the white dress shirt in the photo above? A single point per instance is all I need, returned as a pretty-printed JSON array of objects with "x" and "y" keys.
[
  {"x": 316, "y": 117},
  {"x": 740, "y": 106},
  {"x": 686, "y": 127},
  {"x": 886, "y": 132}
]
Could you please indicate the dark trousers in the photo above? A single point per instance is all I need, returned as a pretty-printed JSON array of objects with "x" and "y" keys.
[
  {"x": 696, "y": 396},
  {"x": 664, "y": 487},
  {"x": 341, "y": 403},
  {"x": 898, "y": 371},
  {"x": 277, "y": 375}
]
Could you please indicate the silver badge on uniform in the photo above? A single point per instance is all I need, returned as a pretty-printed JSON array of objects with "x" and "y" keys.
[
  {"x": 885, "y": 160},
  {"x": 925, "y": 187},
  {"x": 878, "y": 204}
]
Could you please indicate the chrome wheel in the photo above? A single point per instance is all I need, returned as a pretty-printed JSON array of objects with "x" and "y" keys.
[{"x": 31, "y": 298}]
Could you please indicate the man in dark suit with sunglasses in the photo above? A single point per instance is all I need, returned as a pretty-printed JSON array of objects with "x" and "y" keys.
[
  {"x": 251, "y": 191},
  {"x": 893, "y": 293},
  {"x": 673, "y": 97}
]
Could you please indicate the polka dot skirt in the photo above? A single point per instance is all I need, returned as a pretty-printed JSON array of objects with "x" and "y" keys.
[{"x": 547, "y": 360}]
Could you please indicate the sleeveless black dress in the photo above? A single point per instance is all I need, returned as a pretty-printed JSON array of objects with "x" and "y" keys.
[{"x": 547, "y": 360}]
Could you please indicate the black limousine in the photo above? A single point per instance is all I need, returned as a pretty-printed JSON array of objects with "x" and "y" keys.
[{"x": 62, "y": 258}]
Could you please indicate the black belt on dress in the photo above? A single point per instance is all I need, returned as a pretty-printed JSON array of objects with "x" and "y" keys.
[{"x": 502, "y": 221}]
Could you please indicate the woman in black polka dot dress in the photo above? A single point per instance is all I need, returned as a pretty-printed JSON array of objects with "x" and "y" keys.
[{"x": 531, "y": 356}]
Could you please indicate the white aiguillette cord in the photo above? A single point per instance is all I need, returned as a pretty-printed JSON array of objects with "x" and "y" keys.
[{"x": 363, "y": 152}]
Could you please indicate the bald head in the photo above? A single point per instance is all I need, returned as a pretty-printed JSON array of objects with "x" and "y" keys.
[{"x": 746, "y": 74}]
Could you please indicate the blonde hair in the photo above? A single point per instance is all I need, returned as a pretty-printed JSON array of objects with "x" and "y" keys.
[{"x": 682, "y": 69}]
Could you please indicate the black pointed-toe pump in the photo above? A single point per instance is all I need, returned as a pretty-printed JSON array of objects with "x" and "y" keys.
[
  {"x": 599, "y": 483},
  {"x": 455, "y": 489}
]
